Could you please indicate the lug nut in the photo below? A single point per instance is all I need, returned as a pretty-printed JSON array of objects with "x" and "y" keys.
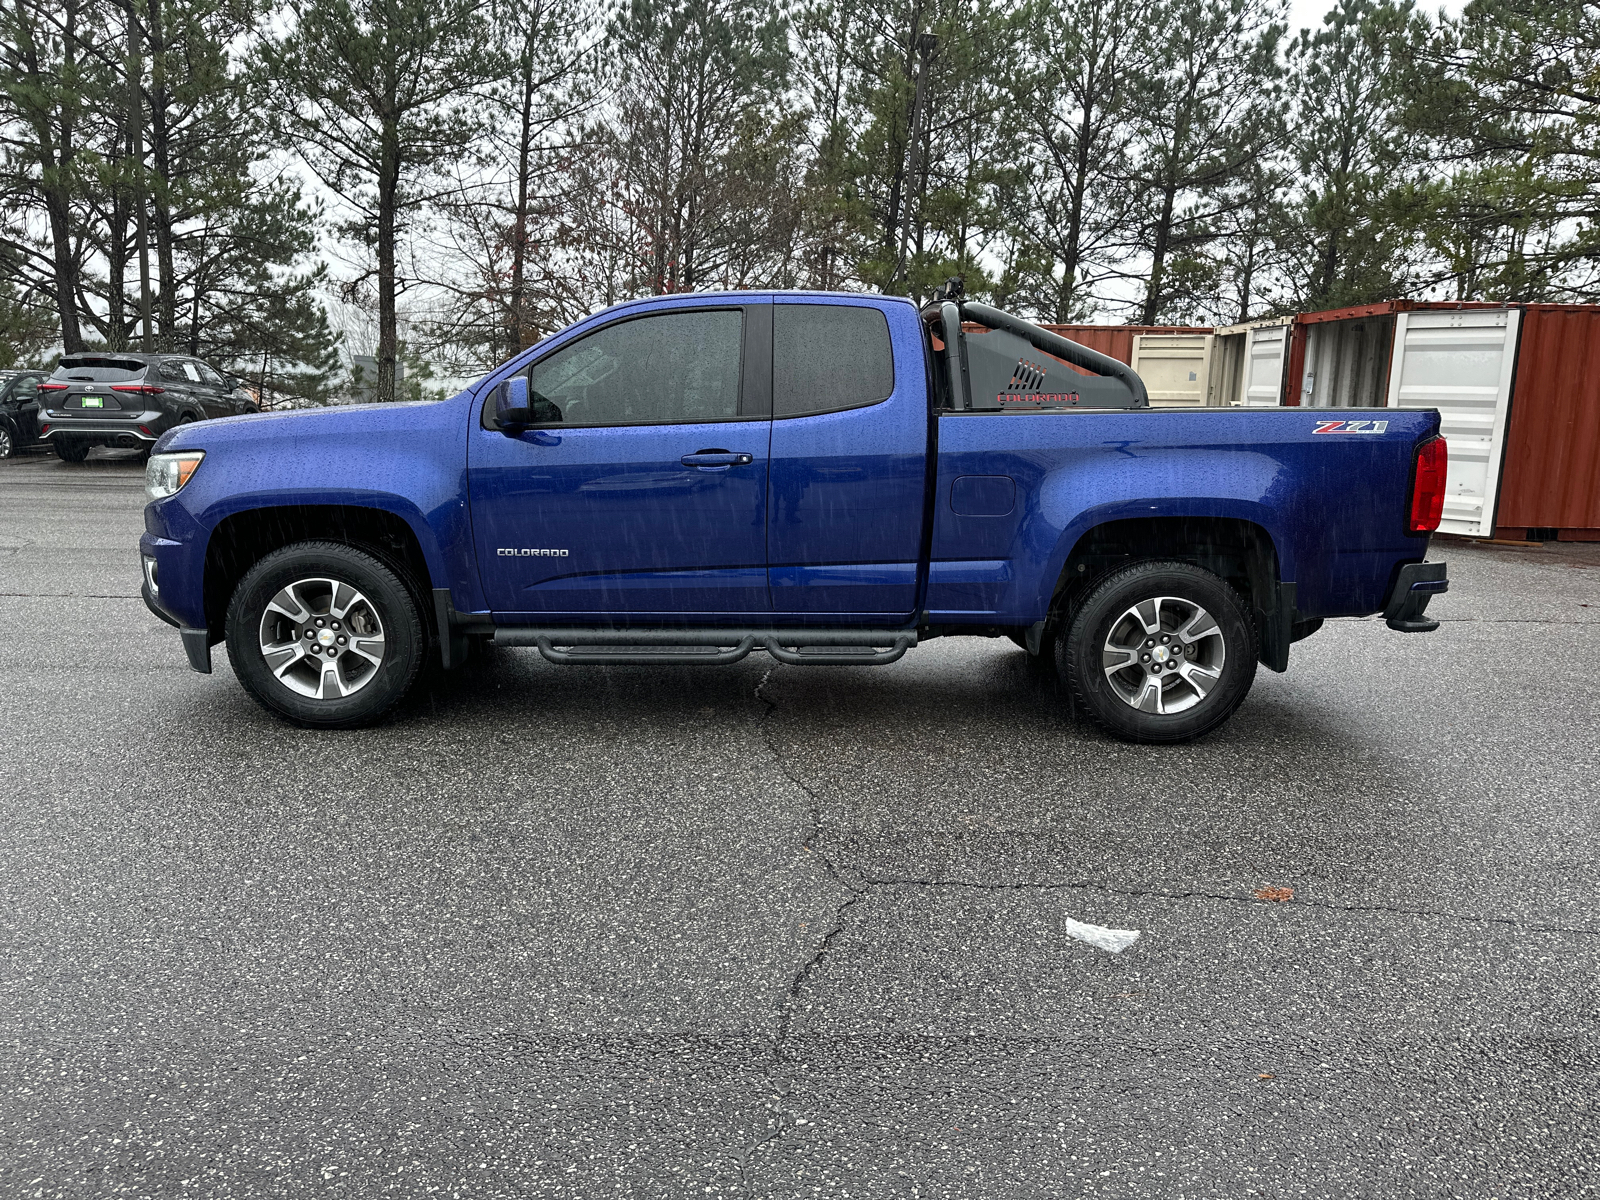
[
  {"x": 1165, "y": 638},
  {"x": 336, "y": 624},
  {"x": 1144, "y": 658},
  {"x": 311, "y": 633},
  {"x": 341, "y": 640},
  {"x": 319, "y": 622}
]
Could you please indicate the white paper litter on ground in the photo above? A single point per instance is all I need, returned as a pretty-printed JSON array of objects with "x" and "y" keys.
[{"x": 1114, "y": 940}]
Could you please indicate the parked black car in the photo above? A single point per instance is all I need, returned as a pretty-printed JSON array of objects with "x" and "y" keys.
[
  {"x": 130, "y": 400},
  {"x": 19, "y": 410}
]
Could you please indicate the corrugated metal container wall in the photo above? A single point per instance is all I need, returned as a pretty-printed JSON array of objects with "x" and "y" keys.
[
  {"x": 1460, "y": 361},
  {"x": 1552, "y": 459},
  {"x": 1117, "y": 340}
]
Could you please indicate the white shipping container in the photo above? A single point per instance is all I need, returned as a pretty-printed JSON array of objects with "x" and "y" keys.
[
  {"x": 1265, "y": 350},
  {"x": 1460, "y": 363},
  {"x": 1173, "y": 367},
  {"x": 1247, "y": 364}
]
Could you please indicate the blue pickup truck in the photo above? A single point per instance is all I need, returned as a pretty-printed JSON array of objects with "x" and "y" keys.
[{"x": 829, "y": 479}]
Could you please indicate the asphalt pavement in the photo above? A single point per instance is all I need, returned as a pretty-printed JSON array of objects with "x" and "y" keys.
[{"x": 793, "y": 932}]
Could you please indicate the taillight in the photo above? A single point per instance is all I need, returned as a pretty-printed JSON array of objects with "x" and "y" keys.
[
  {"x": 144, "y": 389},
  {"x": 52, "y": 387},
  {"x": 1427, "y": 485}
]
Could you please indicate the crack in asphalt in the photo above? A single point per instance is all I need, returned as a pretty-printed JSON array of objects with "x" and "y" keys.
[
  {"x": 1513, "y": 621},
  {"x": 1233, "y": 897},
  {"x": 69, "y": 596},
  {"x": 858, "y": 890},
  {"x": 860, "y": 886}
]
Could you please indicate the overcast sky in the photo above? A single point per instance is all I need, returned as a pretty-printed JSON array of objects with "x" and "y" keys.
[{"x": 1308, "y": 13}]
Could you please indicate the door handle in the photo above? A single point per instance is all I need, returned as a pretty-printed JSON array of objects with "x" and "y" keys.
[{"x": 717, "y": 459}]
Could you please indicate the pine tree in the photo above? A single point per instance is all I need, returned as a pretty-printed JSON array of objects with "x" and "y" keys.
[
  {"x": 1355, "y": 242},
  {"x": 377, "y": 96}
]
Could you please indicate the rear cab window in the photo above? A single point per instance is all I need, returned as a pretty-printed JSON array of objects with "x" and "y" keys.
[{"x": 828, "y": 358}]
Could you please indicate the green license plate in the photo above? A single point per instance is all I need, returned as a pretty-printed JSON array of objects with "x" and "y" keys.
[{"x": 93, "y": 402}]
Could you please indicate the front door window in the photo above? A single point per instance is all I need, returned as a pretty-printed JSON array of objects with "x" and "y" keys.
[{"x": 641, "y": 483}]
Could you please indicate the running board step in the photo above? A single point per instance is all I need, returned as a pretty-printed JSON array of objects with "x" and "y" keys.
[{"x": 710, "y": 647}]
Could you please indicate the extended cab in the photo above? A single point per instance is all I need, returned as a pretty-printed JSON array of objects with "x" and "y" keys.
[{"x": 830, "y": 479}]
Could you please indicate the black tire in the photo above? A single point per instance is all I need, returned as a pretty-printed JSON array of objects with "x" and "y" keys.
[
  {"x": 70, "y": 451},
  {"x": 1107, "y": 624},
  {"x": 389, "y": 602},
  {"x": 8, "y": 442}
]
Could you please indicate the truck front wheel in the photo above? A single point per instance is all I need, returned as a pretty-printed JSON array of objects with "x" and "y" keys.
[
  {"x": 324, "y": 635},
  {"x": 1160, "y": 652}
]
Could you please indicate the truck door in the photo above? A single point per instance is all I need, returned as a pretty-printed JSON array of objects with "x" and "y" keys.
[
  {"x": 849, "y": 457},
  {"x": 641, "y": 486}
]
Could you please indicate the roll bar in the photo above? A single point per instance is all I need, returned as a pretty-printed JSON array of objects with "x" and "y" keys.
[
  {"x": 1075, "y": 353},
  {"x": 949, "y": 309}
]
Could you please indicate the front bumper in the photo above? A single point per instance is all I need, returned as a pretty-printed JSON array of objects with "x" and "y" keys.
[
  {"x": 196, "y": 642},
  {"x": 1408, "y": 599}
]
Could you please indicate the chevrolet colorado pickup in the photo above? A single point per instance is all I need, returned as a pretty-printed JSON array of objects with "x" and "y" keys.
[{"x": 829, "y": 479}]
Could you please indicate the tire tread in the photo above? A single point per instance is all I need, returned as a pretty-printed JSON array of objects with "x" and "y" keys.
[
  {"x": 1078, "y": 694},
  {"x": 416, "y": 628}
]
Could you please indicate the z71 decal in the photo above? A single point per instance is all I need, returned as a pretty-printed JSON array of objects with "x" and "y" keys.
[{"x": 1351, "y": 427}]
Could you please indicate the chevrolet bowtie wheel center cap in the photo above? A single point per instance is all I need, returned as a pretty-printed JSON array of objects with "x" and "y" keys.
[
  {"x": 322, "y": 639},
  {"x": 1163, "y": 655}
]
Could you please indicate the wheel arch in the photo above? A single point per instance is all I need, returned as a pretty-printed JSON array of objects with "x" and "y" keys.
[
  {"x": 1235, "y": 548},
  {"x": 242, "y": 539}
]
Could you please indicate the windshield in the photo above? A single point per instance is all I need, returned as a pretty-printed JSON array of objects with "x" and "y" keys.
[{"x": 98, "y": 370}]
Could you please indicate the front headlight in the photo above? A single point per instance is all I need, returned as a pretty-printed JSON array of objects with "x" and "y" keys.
[{"x": 164, "y": 474}]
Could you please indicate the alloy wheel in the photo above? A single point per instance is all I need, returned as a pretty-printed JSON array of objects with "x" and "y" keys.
[
  {"x": 322, "y": 638},
  {"x": 1164, "y": 655}
]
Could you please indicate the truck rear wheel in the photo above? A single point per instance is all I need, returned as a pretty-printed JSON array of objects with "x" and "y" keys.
[
  {"x": 1160, "y": 652},
  {"x": 325, "y": 635}
]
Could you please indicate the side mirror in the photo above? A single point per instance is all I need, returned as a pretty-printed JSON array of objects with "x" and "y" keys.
[
  {"x": 515, "y": 408},
  {"x": 512, "y": 421}
]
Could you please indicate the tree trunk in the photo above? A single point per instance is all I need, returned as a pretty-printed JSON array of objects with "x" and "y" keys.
[
  {"x": 66, "y": 269},
  {"x": 116, "y": 273},
  {"x": 388, "y": 206},
  {"x": 518, "y": 330},
  {"x": 57, "y": 162},
  {"x": 160, "y": 203},
  {"x": 1158, "y": 257},
  {"x": 1072, "y": 253},
  {"x": 897, "y": 178},
  {"x": 139, "y": 200},
  {"x": 1247, "y": 280}
]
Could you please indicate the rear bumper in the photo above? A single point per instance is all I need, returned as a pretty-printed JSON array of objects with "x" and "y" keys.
[
  {"x": 136, "y": 429},
  {"x": 1417, "y": 584}
]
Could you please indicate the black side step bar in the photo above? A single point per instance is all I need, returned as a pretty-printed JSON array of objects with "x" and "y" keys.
[{"x": 827, "y": 647}]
